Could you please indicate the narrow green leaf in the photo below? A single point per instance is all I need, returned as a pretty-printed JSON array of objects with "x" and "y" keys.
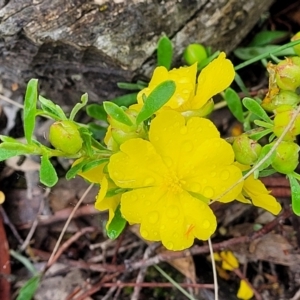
[
  {"x": 117, "y": 113},
  {"x": 260, "y": 134},
  {"x": 94, "y": 164},
  {"x": 267, "y": 172},
  {"x": 8, "y": 139},
  {"x": 79, "y": 106},
  {"x": 30, "y": 109},
  {"x": 266, "y": 37},
  {"x": 295, "y": 190},
  {"x": 234, "y": 104},
  {"x": 164, "y": 52},
  {"x": 51, "y": 108},
  {"x": 75, "y": 169},
  {"x": 158, "y": 97},
  {"x": 131, "y": 86},
  {"x": 48, "y": 174},
  {"x": 8, "y": 149},
  {"x": 256, "y": 109},
  {"x": 28, "y": 290},
  {"x": 87, "y": 140},
  {"x": 253, "y": 52},
  {"x": 263, "y": 124},
  {"x": 239, "y": 81},
  {"x": 264, "y": 151},
  {"x": 96, "y": 111},
  {"x": 117, "y": 225}
]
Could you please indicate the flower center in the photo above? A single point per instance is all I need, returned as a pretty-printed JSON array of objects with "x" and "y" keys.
[{"x": 172, "y": 183}]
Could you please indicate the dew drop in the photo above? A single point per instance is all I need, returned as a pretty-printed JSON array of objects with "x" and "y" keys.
[
  {"x": 225, "y": 175},
  {"x": 155, "y": 233},
  {"x": 204, "y": 181},
  {"x": 133, "y": 197},
  {"x": 172, "y": 211},
  {"x": 187, "y": 146},
  {"x": 144, "y": 233},
  {"x": 213, "y": 174},
  {"x": 156, "y": 139},
  {"x": 208, "y": 192},
  {"x": 195, "y": 187},
  {"x": 176, "y": 235},
  {"x": 153, "y": 217},
  {"x": 206, "y": 224},
  {"x": 170, "y": 245},
  {"x": 147, "y": 203},
  {"x": 183, "y": 130},
  {"x": 149, "y": 181},
  {"x": 168, "y": 161}
]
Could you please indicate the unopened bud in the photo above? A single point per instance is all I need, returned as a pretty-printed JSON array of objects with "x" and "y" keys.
[
  {"x": 296, "y": 47},
  {"x": 194, "y": 53}
]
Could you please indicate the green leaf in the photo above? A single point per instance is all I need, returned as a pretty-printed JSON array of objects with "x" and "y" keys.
[
  {"x": 164, "y": 52},
  {"x": 131, "y": 86},
  {"x": 239, "y": 81},
  {"x": 116, "y": 225},
  {"x": 117, "y": 113},
  {"x": 75, "y": 169},
  {"x": 256, "y": 109},
  {"x": 28, "y": 290},
  {"x": 253, "y": 52},
  {"x": 267, "y": 172},
  {"x": 30, "y": 109},
  {"x": 263, "y": 124},
  {"x": 8, "y": 139},
  {"x": 234, "y": 104},
  {"x": 48, "y": 174},
  {"x": 266, "y": 37},
  {"x": 260, "y": 134},
  {"x": 93, "y": 164},
  {"x": 295, "y": 190},
  {"x": 157, "y": 98},
  {"x": 51, "y": 108},
  {"x": 8, "y": 149},
  {"x": 98, "y": 131},
  {"x": 264, "y": 152},
  {"x": 79, "y": 106},
  {"x": 87, "y": 140}
]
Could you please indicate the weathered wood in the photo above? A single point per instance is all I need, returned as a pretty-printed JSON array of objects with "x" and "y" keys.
[{"x": 77, "y": 46}]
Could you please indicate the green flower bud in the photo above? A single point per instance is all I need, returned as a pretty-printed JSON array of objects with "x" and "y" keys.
[
  {"x": 194, "y": 53},
  {"x": 296, "y": 47},
  {"x": 282, "y": 98},
  {"x": 64, "y": 136},
  {"x": 288, "y": 73},
  {"x": 286, "y": 159},
  {"x": 284, "y": 113},
  {"x": 246, "y": 150}
]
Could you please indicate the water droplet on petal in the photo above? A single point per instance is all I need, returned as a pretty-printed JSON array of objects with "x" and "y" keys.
[
  {"x": 147, "y": 203},
  {"x": 206, "y": 224},
  {"x": 187, "y": 146},
  {"x": 225, "y": 175},
  {"x": 155, "y": 233},
  {"x": 183, "y": 130},
  {"x": 208, "y": 192},
  {"x": 153, "y": 217},
  {"x": 149, "y": 181},
  {"x": 144, "y": 233},
  {"x": 204, "y": 181},
  {"x": 162, "y": 227},
  {"x": 195, "y": 187},
  {"x": 213, "y": 174},
  {"x": 168, "y": 161},
  {"x": 133, "y": 197},
  {"x": 170, "y": 245},
  {"x": 172, "y": 211},
  {"x": 175, "y": 235},
  {"x": 156, "y": 139}
]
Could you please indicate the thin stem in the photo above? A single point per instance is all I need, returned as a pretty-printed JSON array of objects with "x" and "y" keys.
[
  {"x": 213, "y": 264},
  {"x": 67, "y": 224}
]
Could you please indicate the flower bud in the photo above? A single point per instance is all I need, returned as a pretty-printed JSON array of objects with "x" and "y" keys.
[
  {"x": 296, "y": 47},
  {"x": 194, "y": 53},
  {"x": 246, "y": 150},
  {"x": 64, "y": 136},
  {"x": 282, "y": 98},
  {"x": 283, "y": 115},
  {"x": 286, "y": 159},
  {"x": 288, "y": 73}
]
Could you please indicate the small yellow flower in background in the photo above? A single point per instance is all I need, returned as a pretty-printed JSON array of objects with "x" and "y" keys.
[
  {"x": 245, "y": 292},
  {"x": 256, "y": 191},
  {"x": 229, "y": 261},
  {"x": 189, "y": 97},
  {"x": 172, "y": 177}
]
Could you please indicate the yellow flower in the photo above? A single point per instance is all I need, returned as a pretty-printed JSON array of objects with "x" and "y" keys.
[
  {"x": 213, "y": 79},
  {"x": 256, "y": 191},
  {"x": 172, "y": 177},
  {"x": 245, "y": 292},
  {"x": 94, "y": 175},
  {"x": 229, "y": 261}
]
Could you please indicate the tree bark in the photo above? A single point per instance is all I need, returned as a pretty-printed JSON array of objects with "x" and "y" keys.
[{"x": 77, "y": 46}]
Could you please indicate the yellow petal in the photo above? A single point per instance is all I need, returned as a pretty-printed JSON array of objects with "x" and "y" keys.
[
  {"x": 137, "y": 165},
  {"x": 94, "y": 175},
  {"x": 107, "y": 203},
  {"x": 245, "y": 292},
  {"x": 229, "y": 261},
  {"x": 259, "y": 195},
  {"x": 185, "y": 80},
  {"x": 174, "y": 141},
  {"x": 185, "y": 218},
  {"x": 213, "y": 79}
]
